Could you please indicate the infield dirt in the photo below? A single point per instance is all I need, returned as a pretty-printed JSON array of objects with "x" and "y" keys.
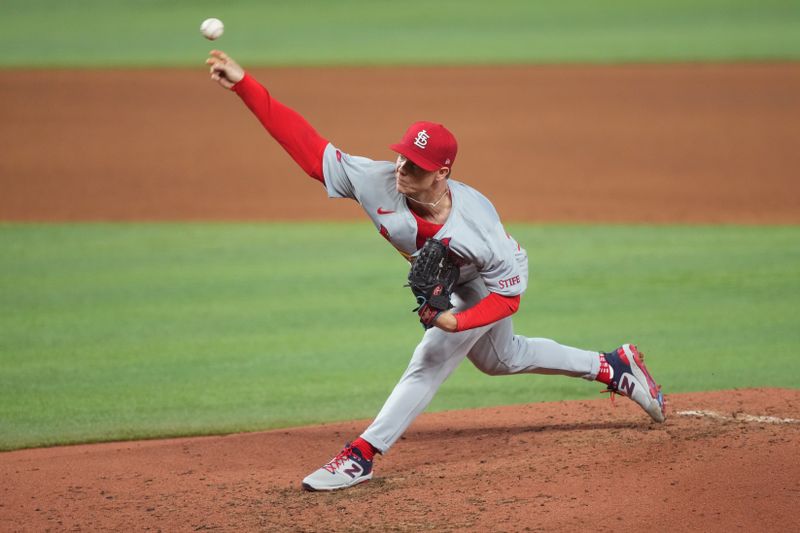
[
  {"x": 566, "y": 466},
  {"x": 671, "y": 143},
  {"x": 662, "y": 144}
]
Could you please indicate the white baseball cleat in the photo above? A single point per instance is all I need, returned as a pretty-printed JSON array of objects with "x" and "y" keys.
[
  {"x": 345, "y": 470},
  {"x": 630, "y": 378}
]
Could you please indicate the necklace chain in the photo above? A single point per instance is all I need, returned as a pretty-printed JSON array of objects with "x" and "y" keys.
[{"x": 433, "y": 204}]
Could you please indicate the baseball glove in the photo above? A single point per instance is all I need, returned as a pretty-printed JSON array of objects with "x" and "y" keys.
[{"x": 431, "y": 278}]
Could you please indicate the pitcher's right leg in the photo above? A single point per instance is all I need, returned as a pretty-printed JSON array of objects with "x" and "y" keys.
[{"x": 500, "y": 352}]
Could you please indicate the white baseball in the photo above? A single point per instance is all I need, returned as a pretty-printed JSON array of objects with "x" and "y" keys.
[{"x": 212, "y": 28}]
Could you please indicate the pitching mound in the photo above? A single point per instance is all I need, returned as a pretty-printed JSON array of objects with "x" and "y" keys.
[{"x": 723, "y": 461}]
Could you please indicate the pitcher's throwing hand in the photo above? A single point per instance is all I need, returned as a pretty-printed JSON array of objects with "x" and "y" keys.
[{"x": 224, "y": 70}]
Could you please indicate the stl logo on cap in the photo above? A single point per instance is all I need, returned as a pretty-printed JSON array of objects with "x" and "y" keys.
[
  {"x": 429, "y": 145},
  {"x": 422, "y": 139}
]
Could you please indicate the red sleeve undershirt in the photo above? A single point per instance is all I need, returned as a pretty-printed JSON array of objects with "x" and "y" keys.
[
  {"x": 286, "y": 125},
  {"x": 306, "y": 147},
  {"x": 491, "y": 309}
]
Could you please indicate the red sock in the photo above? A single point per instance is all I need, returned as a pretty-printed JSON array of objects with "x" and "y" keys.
[
  {"x": 367, "y": 450},
  {"x": 604, "y": 374}
]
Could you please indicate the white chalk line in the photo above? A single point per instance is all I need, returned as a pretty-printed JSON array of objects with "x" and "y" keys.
[{"x": 741, "y": 417}]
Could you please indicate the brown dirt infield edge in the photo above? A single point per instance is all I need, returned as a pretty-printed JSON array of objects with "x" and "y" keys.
[
  {"x": 669, "y": 143},
  {"x": 564, "y": 466},
  {"x": 666, "y": 143}
]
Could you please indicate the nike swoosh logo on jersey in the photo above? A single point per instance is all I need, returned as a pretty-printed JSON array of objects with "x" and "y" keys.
[{"x": 382, "y": 211}]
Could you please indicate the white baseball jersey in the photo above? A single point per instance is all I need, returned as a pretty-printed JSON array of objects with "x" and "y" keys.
[{"x": 473, "y": 230}]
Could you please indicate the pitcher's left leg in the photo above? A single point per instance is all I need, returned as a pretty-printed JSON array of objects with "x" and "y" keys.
[{"x": 433, "y": 361}]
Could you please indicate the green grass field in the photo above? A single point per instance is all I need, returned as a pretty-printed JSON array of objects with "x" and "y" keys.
[
  {"x": 102, "y": 33},
  {"x": 143, "y": 330}
]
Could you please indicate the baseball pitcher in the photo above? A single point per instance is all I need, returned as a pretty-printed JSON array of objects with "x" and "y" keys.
[{"x": 467, "y": 273}]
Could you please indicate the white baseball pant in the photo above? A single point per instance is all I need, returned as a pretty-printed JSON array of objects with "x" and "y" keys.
[{"x": 493, "y": 349}]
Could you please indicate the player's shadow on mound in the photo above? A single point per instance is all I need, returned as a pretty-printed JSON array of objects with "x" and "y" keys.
[{"x": 478, "y": 433}]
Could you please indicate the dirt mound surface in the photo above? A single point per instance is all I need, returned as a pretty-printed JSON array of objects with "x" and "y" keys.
[
  {"x": 723, "y": 461},
  {"x": 662, "y": 143}
]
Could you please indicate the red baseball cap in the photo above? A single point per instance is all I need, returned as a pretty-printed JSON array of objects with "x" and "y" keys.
[{"x": 428, "y": 145}]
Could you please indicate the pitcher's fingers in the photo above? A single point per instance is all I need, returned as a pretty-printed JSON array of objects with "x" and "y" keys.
[{"x": 219, "y": 54}]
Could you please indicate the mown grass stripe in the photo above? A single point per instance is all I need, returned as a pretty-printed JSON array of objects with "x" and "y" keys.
[
  {"x": 108, "y": 33},
  {"x": 117, "y": 331}
]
